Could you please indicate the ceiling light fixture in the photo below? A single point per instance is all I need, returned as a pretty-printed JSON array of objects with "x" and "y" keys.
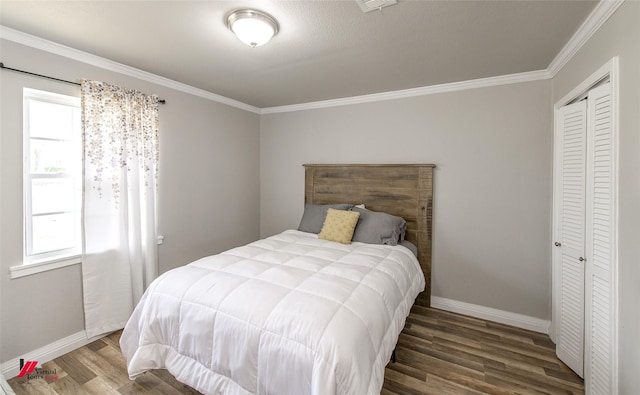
[{"x": 252, "y": 27}]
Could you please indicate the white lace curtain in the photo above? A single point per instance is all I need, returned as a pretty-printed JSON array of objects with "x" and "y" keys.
[{"x": 120, "y": 140}]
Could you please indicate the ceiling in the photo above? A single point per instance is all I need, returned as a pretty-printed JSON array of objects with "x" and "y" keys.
[{"x": 324, "y": 49}]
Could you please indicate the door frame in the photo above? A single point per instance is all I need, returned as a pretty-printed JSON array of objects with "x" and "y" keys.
[{"x": 610, "y": 71}]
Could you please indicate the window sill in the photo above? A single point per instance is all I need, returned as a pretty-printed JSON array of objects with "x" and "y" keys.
[{"x": 28, "y": 269}]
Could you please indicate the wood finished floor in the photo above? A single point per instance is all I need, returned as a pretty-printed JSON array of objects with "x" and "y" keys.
[{"x": 438, "y": 353}]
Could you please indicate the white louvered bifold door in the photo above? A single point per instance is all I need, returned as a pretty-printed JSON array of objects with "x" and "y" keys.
[
  {"x": 570, "y": 219},
  {"x": 600, "y": 245}
]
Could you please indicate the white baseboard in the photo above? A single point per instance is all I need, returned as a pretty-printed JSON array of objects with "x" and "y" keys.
[
  {"x": 47, "y": 353},
  {"x": 491, "y": 314},
  {"x": 60, "y": 347},
  {"x": 5, "y": 387}
]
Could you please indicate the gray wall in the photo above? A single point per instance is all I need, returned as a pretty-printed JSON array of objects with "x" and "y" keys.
[
  {"x": 492, "y": 185},
  {"x": 620, "y": 36},
  {"x": 208, "y": 196}
]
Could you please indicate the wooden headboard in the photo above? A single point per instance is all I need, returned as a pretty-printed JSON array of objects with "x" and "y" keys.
[{"x": 404, "y": 190}]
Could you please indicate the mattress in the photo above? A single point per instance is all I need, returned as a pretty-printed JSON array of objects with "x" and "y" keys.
[{"x": 289, "y": 314}]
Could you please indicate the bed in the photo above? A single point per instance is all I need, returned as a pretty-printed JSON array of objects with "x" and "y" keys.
[{"x": 293, "y": 313}]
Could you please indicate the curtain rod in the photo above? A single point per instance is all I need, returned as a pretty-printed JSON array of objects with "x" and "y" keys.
[{"x": 2, "y": 66}]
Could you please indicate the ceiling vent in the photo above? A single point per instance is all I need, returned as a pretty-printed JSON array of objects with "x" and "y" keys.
[{"x": 372, "y": 5}]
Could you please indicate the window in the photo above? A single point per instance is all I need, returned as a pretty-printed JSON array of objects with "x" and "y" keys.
[{"x": 52, "y": 176}]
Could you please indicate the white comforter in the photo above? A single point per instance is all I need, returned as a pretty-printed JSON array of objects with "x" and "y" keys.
[{"x": 290, "y": 314}]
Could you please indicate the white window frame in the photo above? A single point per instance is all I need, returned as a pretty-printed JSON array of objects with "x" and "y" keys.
[{"x": 39, "y": 262}]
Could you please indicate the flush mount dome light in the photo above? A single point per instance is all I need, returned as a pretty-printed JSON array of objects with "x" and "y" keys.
[{"x": 252, "y": 27}]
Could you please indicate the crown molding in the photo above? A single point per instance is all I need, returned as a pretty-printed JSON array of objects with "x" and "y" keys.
[
  {"x": 422, "y": 91},
  {"x": 84, "y": 57},
  {"x": 600, "y": 14},
  {"x": 103, "y": 63},
  {"x": 603, "y": 10}
]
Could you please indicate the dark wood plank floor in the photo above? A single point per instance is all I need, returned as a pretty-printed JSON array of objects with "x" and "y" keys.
[{"x": 438, "y": 353}]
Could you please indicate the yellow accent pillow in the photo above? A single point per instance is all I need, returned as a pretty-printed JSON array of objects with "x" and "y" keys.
[{"x": 339, "y": 225}]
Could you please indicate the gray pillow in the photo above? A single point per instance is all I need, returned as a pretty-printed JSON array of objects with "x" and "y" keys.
[
  {"x": 379, "y": 228},
  {"x": 412, "y": 247},
  {"x": 314, "y": 215}
]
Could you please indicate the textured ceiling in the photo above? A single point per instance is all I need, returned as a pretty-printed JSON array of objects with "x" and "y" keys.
[{"x": 324, "y": 50}]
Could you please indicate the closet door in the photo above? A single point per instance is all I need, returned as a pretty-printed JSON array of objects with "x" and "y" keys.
[
  {"x": 600, "y": 241},
  {"x": 570, "y": 233}
]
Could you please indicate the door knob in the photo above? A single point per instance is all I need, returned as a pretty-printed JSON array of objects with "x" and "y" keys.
[
  {"x": 557, "y": 244},
  {"x": 581, "y": 259}
]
